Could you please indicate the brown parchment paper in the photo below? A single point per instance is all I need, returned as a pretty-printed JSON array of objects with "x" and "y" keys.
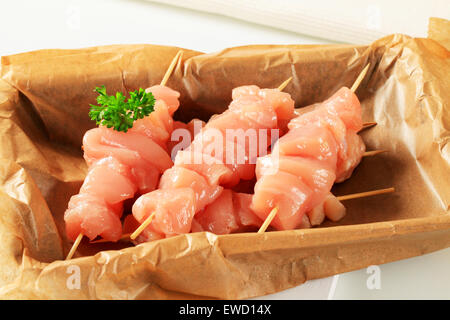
[{"x": 44, "y": 101}]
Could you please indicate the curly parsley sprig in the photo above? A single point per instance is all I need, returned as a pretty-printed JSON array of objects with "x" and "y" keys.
[{"x": 118, "y": 112}]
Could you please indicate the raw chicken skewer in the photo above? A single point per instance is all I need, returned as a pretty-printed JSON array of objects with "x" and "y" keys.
[
  {"x": 368, "y": 125},
  {"x": 142, "y": 175},
  {"x": 302, "y": 191}
]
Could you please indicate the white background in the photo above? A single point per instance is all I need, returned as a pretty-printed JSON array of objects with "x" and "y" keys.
[{"x": 31, "y": 25}]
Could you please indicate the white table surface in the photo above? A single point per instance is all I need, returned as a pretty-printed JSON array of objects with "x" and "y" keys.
[{"x": 30, "y": 25}]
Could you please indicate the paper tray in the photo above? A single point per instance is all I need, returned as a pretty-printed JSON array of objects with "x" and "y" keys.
[{"x": 44, "y": 101}]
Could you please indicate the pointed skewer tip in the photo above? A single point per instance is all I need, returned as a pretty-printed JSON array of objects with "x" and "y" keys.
[
  {"x": 284, "y": 84},
  {"x": 360, "y": 78},
  {"x": 369, "y": 124},
  {"x": 74, "y": 246}
]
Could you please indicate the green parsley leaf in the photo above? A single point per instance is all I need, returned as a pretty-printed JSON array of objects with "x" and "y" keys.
[{"x": 118, "y": 112}]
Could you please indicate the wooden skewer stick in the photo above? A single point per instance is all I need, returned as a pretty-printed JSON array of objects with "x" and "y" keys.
[
  {"x": 284, "y": 84},
  {"x": 365, "y": 194},
  {"x": 373, "y": 153},
  {"x": 169, "y": 71},
  {"x": 268, "y": 220},
  {"x": 163, "y": 82},
  {"x": 74, "y": 246},
  {"x": 142, "y": 227},
  {"x": 360, "y": 78},
  {"x": 274, "y": 211}
]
